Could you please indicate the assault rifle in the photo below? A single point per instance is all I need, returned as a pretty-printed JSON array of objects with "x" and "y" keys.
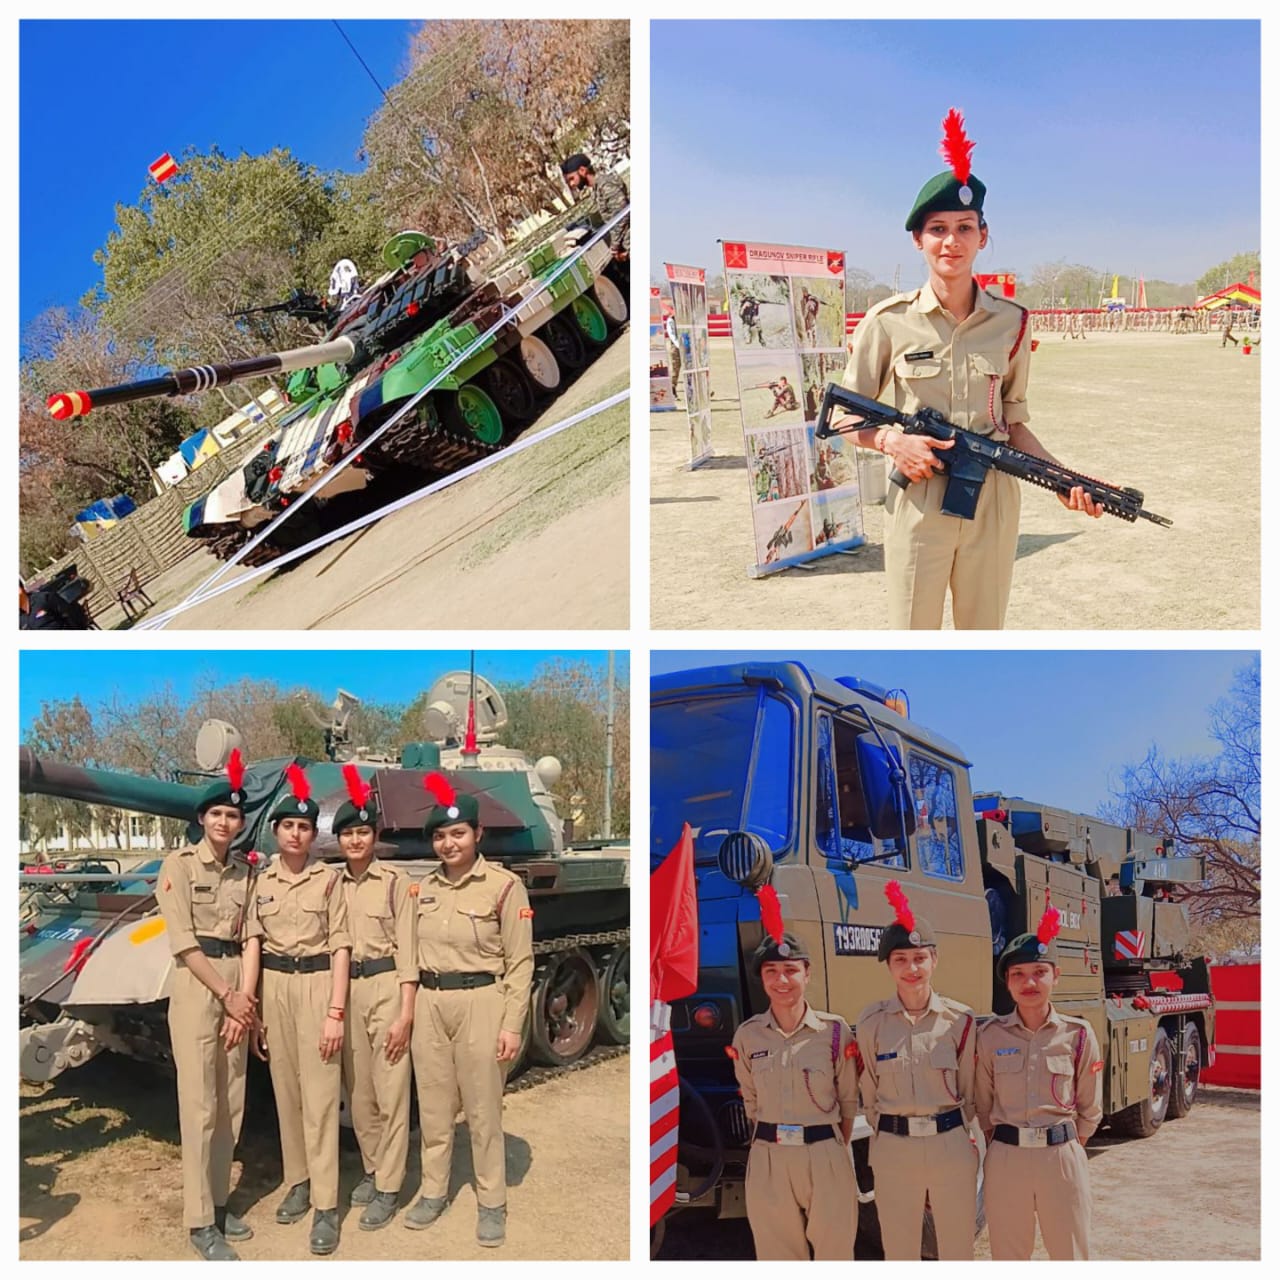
[
  {"x": 303, "y": 305},
  {"x": 973, "y": 456}
]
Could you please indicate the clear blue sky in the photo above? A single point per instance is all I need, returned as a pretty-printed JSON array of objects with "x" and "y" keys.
[
  {"x": 1056, "y": 727},
  {"x": 1125, "y": 146},
  {"x": 395, "y": 676},
  {"x": 101, "y": 100}
]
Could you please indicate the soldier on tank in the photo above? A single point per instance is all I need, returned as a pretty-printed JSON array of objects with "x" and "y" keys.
[
  {"x": 475, "y": 962},
  {"x": 796, "y": 1068},
  {"x": 207, "y": 902},
  {"x": 306, "y": 960},
  {"x": 384, "y": 982},
  {"x": 1038, "y": 1101},
  {"x": 610, "y": 197},
  {"x": 917, "y": 1055}
]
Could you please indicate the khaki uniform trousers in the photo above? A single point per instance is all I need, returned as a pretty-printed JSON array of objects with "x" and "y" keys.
[
  {"x": 925, "y": 551},
  {"x": 210, "y": 1090},
  {"x": 799, "y": 1197},
  {"x": 944, "y": 1167},
  {"x": 1025, "y": 1183},
  {"x": 308, "y": 1090},
  {"x": 379, "y": 1090},
  {"x": 455, "y": 1047}
]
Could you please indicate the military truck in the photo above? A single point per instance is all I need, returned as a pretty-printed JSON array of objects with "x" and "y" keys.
[
  {"x": 826, "y": 789},
  {"x": 94, "y": 961}
]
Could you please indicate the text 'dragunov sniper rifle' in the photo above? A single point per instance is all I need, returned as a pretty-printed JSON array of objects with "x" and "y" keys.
[{"x": 966, "y": 465}]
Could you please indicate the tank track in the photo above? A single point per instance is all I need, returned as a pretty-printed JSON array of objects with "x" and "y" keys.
[
  {"x": 568, "y": 941},
  {"x": 225, "y": 545},
  {"x": 531, "y": 1077},
  {"x": 421, "y": 440}
]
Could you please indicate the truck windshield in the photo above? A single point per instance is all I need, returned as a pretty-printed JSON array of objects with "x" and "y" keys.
[{"x": 721, "y": 763}]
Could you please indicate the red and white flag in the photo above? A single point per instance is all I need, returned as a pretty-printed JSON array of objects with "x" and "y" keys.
[
  {"x": 664, "y": 1112},
  {"x": 163, "y": 168},
  {"x": 1130, "y": 944}
]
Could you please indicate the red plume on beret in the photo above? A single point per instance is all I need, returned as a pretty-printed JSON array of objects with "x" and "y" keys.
[
  {"x": 235, "y": 769},
  {"x": 956, "y": 148},
  {"x": 441, "y": 788},
  {"x": 1050, "y": 923},
  {"x": 357, "y": 788},
  {"x": 298, "y": 782},
  {"x": 770, "y": 912},
  {"x": 901, "y": 906}
]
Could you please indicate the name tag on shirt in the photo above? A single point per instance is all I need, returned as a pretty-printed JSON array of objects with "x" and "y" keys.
[
  {"x": 886, "y": 1057},
  {"x": 1000, "y": 1053},
  {"x": 205, "y": 889},
  {"x": 760, "y": 1053},
  {"x": 918, "y": 355}
]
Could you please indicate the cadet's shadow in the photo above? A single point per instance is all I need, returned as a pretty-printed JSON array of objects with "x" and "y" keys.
[
  {"x": 1030, "y": 543},
  {"x": 724, "y": 462}
]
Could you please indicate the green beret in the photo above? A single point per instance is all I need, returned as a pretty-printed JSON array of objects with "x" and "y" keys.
[
  {"x": 1026, "y": 948},
  {"x": 790, "y": 948},
  {"x": 221, "y": 792},
  {"x": 897, "y": 938},
  {"x": 291, "y": 807},
  {"x": 463, "y": 809},
  {"x": 944, "y": 193},
  {"x": 352, "y": 815}
]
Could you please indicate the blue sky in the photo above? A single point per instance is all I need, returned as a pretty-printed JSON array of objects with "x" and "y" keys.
[
  {"x": 134, "y": 90},
  {"x": 1131, "y": 147},
  {"x": 387, "y": 676},
  {"x": 1056, "y": 727}
]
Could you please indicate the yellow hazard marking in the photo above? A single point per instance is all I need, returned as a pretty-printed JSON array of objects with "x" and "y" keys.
[{"x": 145, "y": 932}]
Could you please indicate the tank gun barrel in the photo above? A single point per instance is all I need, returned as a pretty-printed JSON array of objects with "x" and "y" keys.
[
  {"x": 100, "y": 786},
  {"x": 183, "y": 382}
]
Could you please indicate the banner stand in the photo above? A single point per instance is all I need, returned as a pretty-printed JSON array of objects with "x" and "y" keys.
[{"x": 689, "y": 314}]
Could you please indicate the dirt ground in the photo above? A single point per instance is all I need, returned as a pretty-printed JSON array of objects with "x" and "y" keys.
[
  {"x": 101, "y": 1175},
  {"x": 517, "y": 531},
  {"x": 1191, "y": 1191},
  {"x": 1177, "y": 417}
]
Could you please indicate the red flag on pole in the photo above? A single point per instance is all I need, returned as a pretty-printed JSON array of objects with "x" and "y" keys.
[
  {"x": 1142, "y": 293},
  {"x": 163, "y": 168},
  {"x": 673, "y": 923}
]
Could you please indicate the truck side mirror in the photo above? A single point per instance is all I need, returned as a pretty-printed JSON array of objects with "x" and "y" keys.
[
  {"x": 745, "y": 859},
  {"x": 884, "y": 786}
]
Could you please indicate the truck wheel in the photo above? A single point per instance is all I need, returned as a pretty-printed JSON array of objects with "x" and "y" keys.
[
  {"x": 1186, "y": 1082},
  {"x": 1143, "y": 1118},
  {"x": 615, "y": 996},
  {"x": 539, "y": 364},
  {"x": 566, "y": 1007}
]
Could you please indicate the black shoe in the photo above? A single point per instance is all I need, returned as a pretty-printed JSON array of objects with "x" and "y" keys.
[
  {"x": 424, "y": 1213},
  {"x": 491, "y": 1226},
  {"x": 293, "y": 1208},
  {"x": 364, "y": 1190},
  {"x": 232, "y": 1228},
  {"x": 210, "y": 1245},
  {"x": 379, "y": 1211},
  {"x": 324, "y": 1231}
]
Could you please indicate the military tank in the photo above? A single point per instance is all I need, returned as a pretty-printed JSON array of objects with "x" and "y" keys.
[
  {"x": 94, "y": 960},
  {"x": 433, "y": 303}
]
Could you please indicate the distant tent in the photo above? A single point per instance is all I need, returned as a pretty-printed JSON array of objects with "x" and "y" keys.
[
  {"x": 101, "y": 515},
  {"x": 1233, "y": 293}
]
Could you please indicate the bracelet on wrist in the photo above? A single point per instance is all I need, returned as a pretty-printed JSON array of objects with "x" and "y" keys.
[{"x": 337, "y": 1014}]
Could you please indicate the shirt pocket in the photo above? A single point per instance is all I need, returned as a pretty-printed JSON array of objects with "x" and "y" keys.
[
  {"x": 482, "y": 928},
  {"x": 1010, "y": 1070},
  {"x": 893, "y": 1075},
  {"x": 1062, "y": 1083},
  {"x": 820, "y": 1086},
  {"x": 207, "y": 909},
  {"x": 232, "y": 899},
  {"x": 989, "y": 364},
  {"x": 942, "y": 1058},
  {"x": 916, "y": 370}
]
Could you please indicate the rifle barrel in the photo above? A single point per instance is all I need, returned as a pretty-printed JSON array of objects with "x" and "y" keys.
[{"x": 183, "y": 382}]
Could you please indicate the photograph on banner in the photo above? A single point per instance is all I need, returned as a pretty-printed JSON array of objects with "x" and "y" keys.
[
  {"x": 1006, "y": 369},
  {"x": 264, "y": 338},
  {"x": 661, "y": 392},
  {"x": 895, "y": 997},
  {"x": 689, "y": 315},
  {"x": 268, "y": 896}
]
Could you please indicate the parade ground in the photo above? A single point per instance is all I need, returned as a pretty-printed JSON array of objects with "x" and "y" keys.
[
  {"x": 1193, "y": 1190},
  {"x": 101, "y": 1174},
  {"x": 1175, "y": 416}
]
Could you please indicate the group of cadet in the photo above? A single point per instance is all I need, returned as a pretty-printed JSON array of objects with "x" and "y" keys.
[
  {"x": 923, "y": 1072},
  {"x": 333, "y": 975}
]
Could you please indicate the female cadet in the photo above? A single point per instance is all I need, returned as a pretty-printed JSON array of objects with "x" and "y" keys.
[
  {"x": 1038, "y": 1102},
  {"x": 955, "y": 348},
  {"x": 306, "y": 954},
  {"x": 207, "y": 902},
  {"x": 384, "y": 982},
  {"x": 475, "y": 959},
  {"x": 916, "y": 1050},
  {"x": 799, "y": 1079}
]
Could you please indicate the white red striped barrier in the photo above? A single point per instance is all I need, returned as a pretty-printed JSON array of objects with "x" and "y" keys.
[{"x": 664, "y": 1112}]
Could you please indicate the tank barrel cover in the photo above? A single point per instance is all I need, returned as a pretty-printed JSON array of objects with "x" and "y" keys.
[
  {"x": 101, "y": 786},
  {"x": 183, "y": 382}
]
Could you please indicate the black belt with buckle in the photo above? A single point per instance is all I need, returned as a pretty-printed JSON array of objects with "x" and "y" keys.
[
  {"x": 902, "y": 1127},
  {"x": 370, "y": 968},
  {"x": 296, "y": 964},
  {"x": 766, "y": 1132},
  {"x": 218, "y": 948},
  {"x": 1052, "y": 1136},
  {"x": 454, "y": 981}
]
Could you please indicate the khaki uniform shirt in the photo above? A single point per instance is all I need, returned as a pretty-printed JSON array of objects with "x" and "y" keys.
[
  {"x": 611, "y": 196},
  {"x": 197, "y": 896},
  {"x": 791, "y": 1079},
  {"x": 481, "y": 923},
  {"x": 908, "y": 351},
  {"x": 916, "y": 1069},
  {"x": 381, "y": 918},
  {"x": 1033, "y": 1079},
  {"x": 302, "y": 915}
]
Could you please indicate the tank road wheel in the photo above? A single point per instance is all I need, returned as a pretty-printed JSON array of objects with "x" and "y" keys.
[
  {"x": 565, "y": 340},
  {"x": 610, "y": 301},
  {"x": 539, "y": 364},
  {"x": 590, "y": 320},
  {"x": 470, "y": 410},
  {"x": 1186, "y": 1083},
  {"x": 510, "y": 390},
  {"x": 566, "y": 1007},
  {"x": 1143, "y": 1118},
  {"x": 615, "y": 996}
]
